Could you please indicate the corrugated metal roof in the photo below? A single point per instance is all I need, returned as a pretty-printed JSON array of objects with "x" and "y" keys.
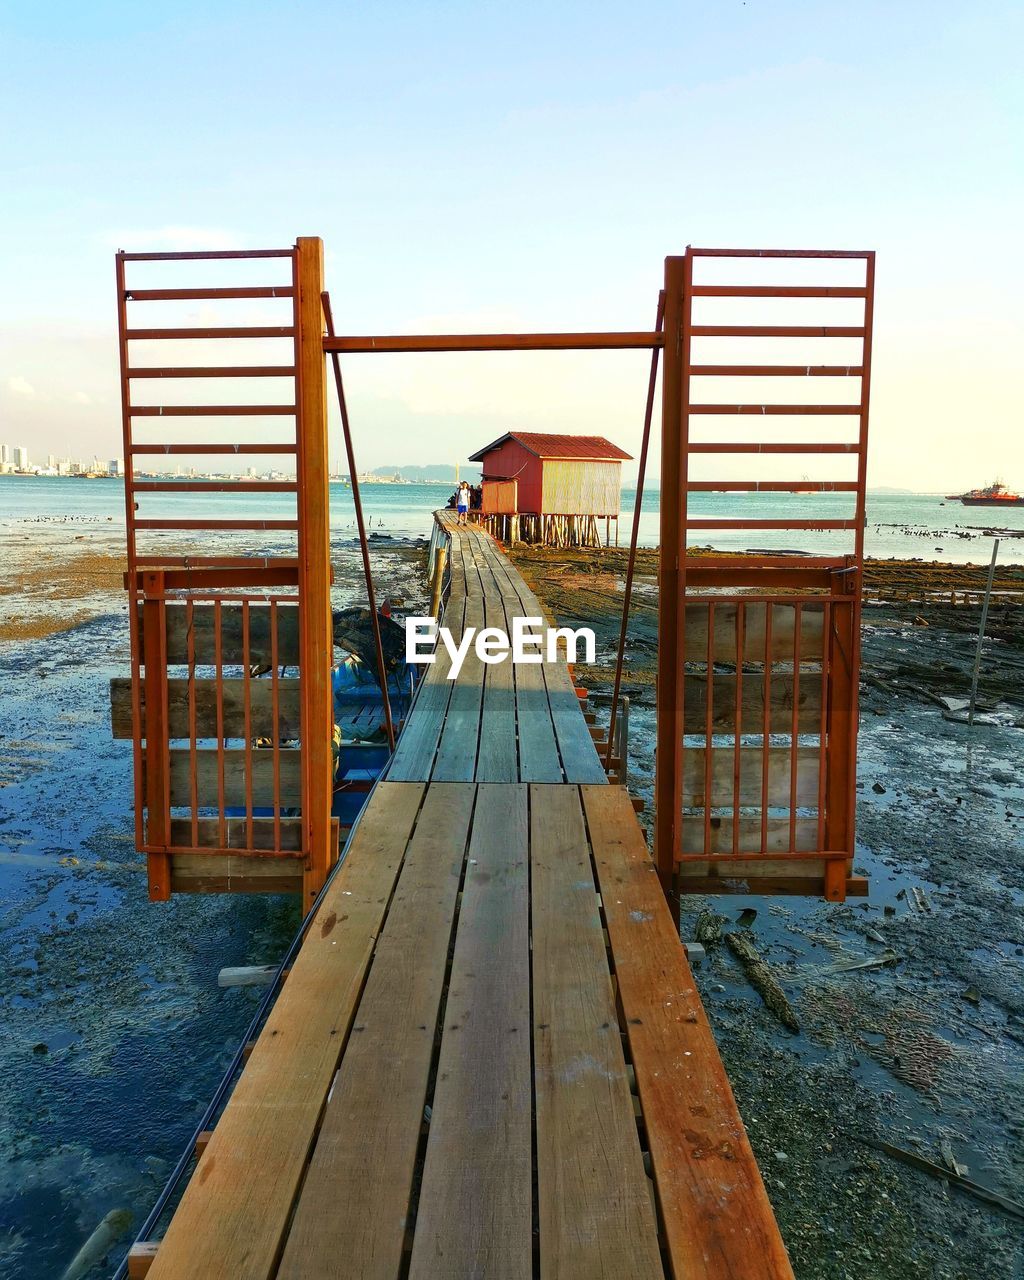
[{"x": 544, "y": 445}]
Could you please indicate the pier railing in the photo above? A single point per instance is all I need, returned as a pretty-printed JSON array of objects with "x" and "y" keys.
[
  {"x": 759, "y": 655},
  {"x": 230, "y": 653}
]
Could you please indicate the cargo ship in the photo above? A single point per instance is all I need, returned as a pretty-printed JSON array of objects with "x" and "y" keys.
[{"x": 995, "y": 495}]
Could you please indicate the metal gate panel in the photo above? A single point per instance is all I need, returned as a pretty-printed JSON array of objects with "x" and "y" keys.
[
  {"x": 759, "y": 653},
  {"x": 228, "y": 708}
]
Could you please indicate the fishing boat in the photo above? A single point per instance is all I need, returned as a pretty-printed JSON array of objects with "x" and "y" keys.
[{"x": 995, "y": 495}]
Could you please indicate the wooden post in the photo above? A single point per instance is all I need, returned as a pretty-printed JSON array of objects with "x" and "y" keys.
[
  {"x": 840, "y": 758},
  {"x": 437, "y": 582},
  {"x": 141, "y": 1257},
  {"x": 316, "y": 639},
  {"x": 668, "y": 780},
  {"x": 158, "y": 761}
]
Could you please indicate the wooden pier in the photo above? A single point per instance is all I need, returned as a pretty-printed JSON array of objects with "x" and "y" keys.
[{"x": 489, "y": 1058}]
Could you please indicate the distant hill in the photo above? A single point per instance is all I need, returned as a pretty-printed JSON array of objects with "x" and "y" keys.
[{"x": 443, "y": 471}]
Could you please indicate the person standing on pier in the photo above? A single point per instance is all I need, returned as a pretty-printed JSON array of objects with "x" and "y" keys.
[{"x": 462, "y": 502}]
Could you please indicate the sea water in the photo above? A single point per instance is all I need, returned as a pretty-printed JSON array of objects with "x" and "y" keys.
[{"x": 900, "y": 525}]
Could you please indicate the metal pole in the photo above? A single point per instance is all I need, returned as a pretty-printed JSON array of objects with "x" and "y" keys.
[
  {"x": 363, "y": 544},
  {"x": 638, "y": 503},
  {"x": 981, "y": 630}
]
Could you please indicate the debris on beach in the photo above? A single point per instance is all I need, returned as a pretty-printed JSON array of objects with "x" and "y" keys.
[
  {"x": 99, "y": 1244},
  {"x": 762, "y": 979}
]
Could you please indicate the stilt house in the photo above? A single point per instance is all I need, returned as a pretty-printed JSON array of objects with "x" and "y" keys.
[{"x": 554, "y": 483}]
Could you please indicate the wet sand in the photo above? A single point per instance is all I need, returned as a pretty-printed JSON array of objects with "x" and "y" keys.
[
  {"x": 113, "y": 1030},
  {"x": 925, "y": 1052}
]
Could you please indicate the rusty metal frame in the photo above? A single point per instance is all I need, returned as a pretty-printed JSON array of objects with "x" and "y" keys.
[
  {"x": 839, "y": 578},
  {"x": 832, "y": 584},
  {"x": 836, "y": 580},
  {"x": 197, "y": 578}
]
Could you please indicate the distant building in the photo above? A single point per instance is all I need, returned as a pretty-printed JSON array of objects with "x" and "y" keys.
[
  {"x": 115, "y": 467},
  {"x": 555, "y": 486},
  {"x": 5, "y": 453},
  {"x": 20, "y": 458}
]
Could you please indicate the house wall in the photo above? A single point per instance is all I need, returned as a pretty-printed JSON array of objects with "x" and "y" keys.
[
  {"x": 581, "y": 487},
  {"x": 511, "y": 461},
  {"x": 500, "y": 497}
]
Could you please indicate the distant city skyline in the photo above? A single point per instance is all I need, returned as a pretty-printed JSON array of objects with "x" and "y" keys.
[{"x": 467, "y": 173}]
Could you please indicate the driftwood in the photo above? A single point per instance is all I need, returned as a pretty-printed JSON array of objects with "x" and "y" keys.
[
  {"x": 870, "y": 962},
  {"x": 762, "y": 979},
  {"x": 946, "y": 1175},
  {"x": 256, "y": 975}
]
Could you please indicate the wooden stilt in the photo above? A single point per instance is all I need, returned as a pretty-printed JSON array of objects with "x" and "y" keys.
[{"x": 316, "y": 640}]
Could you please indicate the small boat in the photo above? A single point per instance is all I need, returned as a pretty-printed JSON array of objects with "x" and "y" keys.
[{"x": 995, "y": 495}]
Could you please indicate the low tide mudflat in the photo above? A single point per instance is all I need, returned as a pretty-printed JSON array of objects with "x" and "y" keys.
[
  {"x": 114, "y": 1032},
  {"x": 923, "y": 1049}
]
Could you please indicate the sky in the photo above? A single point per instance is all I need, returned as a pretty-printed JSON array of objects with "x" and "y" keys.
[{"x": 516, "y": 167}]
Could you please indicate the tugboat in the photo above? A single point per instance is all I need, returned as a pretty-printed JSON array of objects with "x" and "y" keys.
[{"x": 995, "y": 495}]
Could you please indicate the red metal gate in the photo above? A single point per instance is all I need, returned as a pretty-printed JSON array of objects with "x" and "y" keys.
[
  {"x": 229, "y": 702},
  {"x": 759, "y": 654}
]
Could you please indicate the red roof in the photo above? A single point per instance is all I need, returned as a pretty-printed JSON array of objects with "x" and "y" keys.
[{"x": 559, "y": 446}]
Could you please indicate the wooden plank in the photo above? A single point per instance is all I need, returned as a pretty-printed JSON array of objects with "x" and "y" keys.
[
  {"x": 782, "y": 639},
  {"x": 498, "y": 757},
  {"x": 749, "y": 835},
  {"x": 838, "y": 792},
  {"x": 596, "y": 1217},
  {"x": 795, "y": 885},
  {"x": 235, "y": 833},
  {"x": 538, "y": 748},
  {"x": 672, "y": 639},
  {"x": 155, "y": 763},
  {"x": 232, "y": 873},
  {"x": 316, "y": 625},
  {"x": 538, "y": 751},
  {"x": 780, "y": 692},
  {"x": 751, "y": 868},
  {"x": 457, "y": 749},
  {"x": 232, "y": 1218},
  {"x": 580, "y": 761},
  {"x": 140, "y": 1258},
  {"x": 579, "y": 757},
  {"x": 722, "y": 776},
  {"x": 717, "y": 1219},
  {"x": 176, "y": 629},
  {"x": 475, "y": 1217},
  {"x": 355, "y": 1203},
  {"x": 261, "y": 706},
  {"x": 234, "y": 777},
  {"x": 414, "y": 755}
]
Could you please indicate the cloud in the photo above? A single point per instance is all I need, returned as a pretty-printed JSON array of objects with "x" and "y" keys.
[
  {"x": 82, "y": 397},
  {"x": 172, "y": 239},
  {"x": 20, "y": 386}
]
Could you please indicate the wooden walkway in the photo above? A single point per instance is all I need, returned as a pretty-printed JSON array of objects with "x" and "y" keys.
[
  {"x": 489, "y": 1059},
  {"x": 499, "y": 722}
]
